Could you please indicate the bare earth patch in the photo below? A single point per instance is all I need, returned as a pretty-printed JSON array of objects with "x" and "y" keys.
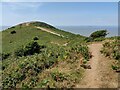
[
  {"x": 47, "y": 30},
  {"x": 101, "y": 74}
]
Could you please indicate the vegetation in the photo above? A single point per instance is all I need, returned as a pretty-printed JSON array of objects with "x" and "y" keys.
[
  {"x": 13, "y": 32},
  {"x": 96, "y": 36},
  {"x": 29, "y": 49},
  {"x": 42, "y": 24},
  {"x": 36, "y": 38},
  {"x": 85, "y": 52},
  {"x": 99, "y": 34},
  {"x": 5, "y": 55},
  {"x": 32, "y": 57},
  {"x": 99, "y": 39},
  {"x": 57, "y": 76},
  {"x": 111, "y": 49}
]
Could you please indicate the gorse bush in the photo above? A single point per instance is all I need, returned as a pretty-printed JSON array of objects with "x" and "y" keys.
[
  {"x": 43, "y": 83},
  {"x": 32, "y": 48},
  {"x": 114, "y": 67},
  {"x": 58, "y": 76},
  {"x": 36, "y": 38},
  {"x": 96, "y": 36},
  {"x": 88, "y": 39},
  {"x": 99, "y": 39},
  {"x": 19, "y": 52},
  {"x": 82, "y": 49},
  {"x": 13, "y": 32},
  {"x": 4, "y": 56},
  {"x": 85, "y": 52},
  {"x": 99, "y": 34},
  {"x": 111, "y": 49},
  {"x": 29, "y": 49}
]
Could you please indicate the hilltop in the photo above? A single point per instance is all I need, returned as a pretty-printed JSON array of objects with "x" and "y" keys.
[{"x": 25, "y": 32}]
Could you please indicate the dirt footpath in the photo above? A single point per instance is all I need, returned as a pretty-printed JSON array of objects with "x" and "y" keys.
[{"x": 101, "y": 74}]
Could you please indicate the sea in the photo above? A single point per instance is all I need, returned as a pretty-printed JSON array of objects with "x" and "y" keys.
[
  {"x": 87, "y": 30},
  {"x": 84, "y": 30}
]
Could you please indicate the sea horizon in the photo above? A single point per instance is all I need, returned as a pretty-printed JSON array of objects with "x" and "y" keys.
[
  {"x": 87, "y": 30},
  {"x": 84, "y": 30}
]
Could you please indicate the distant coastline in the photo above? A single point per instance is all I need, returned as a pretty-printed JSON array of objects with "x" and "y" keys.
[
  {"x": 83, "y": 30},
  {"x": 87, "y": 30}
]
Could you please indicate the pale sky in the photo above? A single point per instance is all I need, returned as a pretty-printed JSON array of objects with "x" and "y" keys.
[
  {"x": 60, "y": 13},
  {"x": 60, "y": 0}
]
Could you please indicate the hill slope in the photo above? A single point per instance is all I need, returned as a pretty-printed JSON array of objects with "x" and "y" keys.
[
  {"x": 38, "y": 55},
  {"x": 35, "y": 54},
  {"x": 27, "y": 31}
]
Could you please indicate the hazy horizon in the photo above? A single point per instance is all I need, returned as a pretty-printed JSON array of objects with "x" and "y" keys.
[{"x": 83, "y": 30}]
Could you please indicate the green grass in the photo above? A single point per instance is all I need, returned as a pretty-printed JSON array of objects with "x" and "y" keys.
[
  {"x": 23, "y": 71},
  {"x": 25, "y": 35}
]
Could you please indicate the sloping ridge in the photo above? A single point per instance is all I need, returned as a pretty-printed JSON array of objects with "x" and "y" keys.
[
  {"x": 37, "y": 23},
  {"x": 42, "y": 26}
]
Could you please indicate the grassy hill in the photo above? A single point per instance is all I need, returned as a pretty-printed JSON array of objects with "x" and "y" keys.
[
  {"x": 37, "y": 55},
  {"x": 26, "y": 33}
]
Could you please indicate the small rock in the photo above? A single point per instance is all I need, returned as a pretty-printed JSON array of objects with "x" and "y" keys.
[
  {"x": 118, "y": 70},
  {"x": 86, "y": 66}
]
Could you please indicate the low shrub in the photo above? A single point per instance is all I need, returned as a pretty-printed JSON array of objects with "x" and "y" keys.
[
  {"x": 99, "y": 34},
  {"x": 88, "y": 39},
  {"x": 4, "y": 56},
  {"x": 111, "y": 49},
  {"x": 36, "y": 38},
  {"x": 13, "y": 32},
  {"x": 43, "y": 82},
  {"x": 32, "y": 48},
  {"x": 29, "y": 49},
  {"x": 99, "y": 39},
  {"x": 83, "y": 49},
  {"x": 58, "y": 76},
  {"x": 19, "y": 52},
  {"x": 115, "y": 67}
]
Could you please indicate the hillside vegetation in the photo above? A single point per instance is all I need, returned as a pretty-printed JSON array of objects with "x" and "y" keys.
[
  {"x": 39, "y": 55},
  {"x": 35, "y": 58},
  {"x": 97, "y": 36},
  {"x": 111, "y": 49}
]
